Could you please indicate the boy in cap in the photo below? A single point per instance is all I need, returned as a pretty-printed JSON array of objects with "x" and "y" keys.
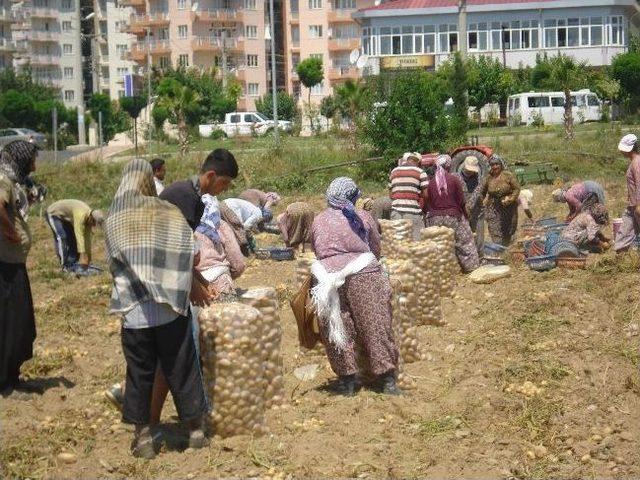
[
  {"x": 407, "y": 190},
  {"x": 630, "y": 227}
]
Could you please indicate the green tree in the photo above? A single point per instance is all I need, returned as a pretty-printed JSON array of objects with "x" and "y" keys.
[
  {"x": 182, "y": 104},
  {"x": 133, "y": 106},
  {"x": 329, "y": 107},
  {"x": 311, "y": 73},
  {"x": 459, "y": 86},
  {"x": 102, "y": 103},
  {"x": 351, "y": 98},
  {"x": 286, "y": 106},
  {"x": 625, "y": 68}
]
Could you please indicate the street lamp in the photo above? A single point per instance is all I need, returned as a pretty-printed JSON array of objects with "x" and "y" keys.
[{"x": 271, "y": 34}]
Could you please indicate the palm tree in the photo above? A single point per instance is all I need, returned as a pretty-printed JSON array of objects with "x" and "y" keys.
[
  {"x": 182, "y": 104},
  {"x": 351, "y": 97},
  {"x": 567, "y": 74}
]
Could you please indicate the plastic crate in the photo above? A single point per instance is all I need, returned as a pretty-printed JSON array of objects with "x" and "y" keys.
[
  {"x": 541, "y": 263},
  {"x": 547, "y": 221},
  {"x": 572, "y": 263},
  {"x": 275, "y": 253},
  {"x": 565, "y": 248}
]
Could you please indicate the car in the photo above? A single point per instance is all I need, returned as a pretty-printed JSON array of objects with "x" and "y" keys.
[
  {"x": 244, "y": 123},
  {"x": 9, "y": 135}
]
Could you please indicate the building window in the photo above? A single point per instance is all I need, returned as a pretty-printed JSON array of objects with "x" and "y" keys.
[
  {"x": 345, "y": 30},
  {"x": 478, "y": 37},
  {"x": 344, "y": 4},
  {"x": 616, "y": 31},
  {"x": 67, "y": 4},
  {"x": 252, "y": 60},
  {"x": 250, "y": 4},
  {"x": 595, "y": 31},
  {"x": 69, "y": 95},
  {"x": 182, "y": 31},
  {"x": 516, "y": 35},
  {"x": 183, "y": 60},
  {"x": 66, "y": 26},
  {"x": 315, "y": 31},
  {"x": 68, "y": 73},
  {"x": 295, "y": 60},
  {"x": 317, "y": 56},
  {"x": 447, "y": 38},
  {"x": 67, "y": 49},
  {"x": 122, "y": 71},
  {"x": 295, "y": 35},
  {"x": 182, "y": 4},
  {"x": 294, "y": 6},
  {"x": 251, "y": 31},
  {"x": 121, "y": 49},
  {"x": 317, "y": 89},
  {"x": 584, "y": 32},
  {"x": 315, "y": 4},
  {"x": 165, "y": 62},
  {"x": 120, "y": 93},
  {"x": 253, "y": 89}
]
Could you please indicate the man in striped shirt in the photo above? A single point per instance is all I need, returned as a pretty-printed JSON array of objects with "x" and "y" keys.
[{"x": 407, "y": 187}]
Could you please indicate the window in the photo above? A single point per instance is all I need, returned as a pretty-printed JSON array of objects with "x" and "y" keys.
[
  {"x": 557, "y": 101},
  {"x": 317, "y": 56},
  {"x": 252, "y": 60},
  {"x": 429, "y": 39},
  {"x": 234, "y": 119},
  {"x": 344, "y": 4},
  {"x": 317, "y": 89},
  {"x": 595, "y": 31},
  {"x": 165, "y": 62},
  {"x": 253, "y": 89},
  {"x": 294, "y": 6},
  {"x": 66, "y": 26},
  {"x": 69, "y": 95},
  {"x": 120, "y": 93},
  {"x": 448, "y": 38},
  {"x": 67, "y": 49},
  {"x": 182, "y": 4},
  {"x": 250, "y": 4},
  {"x": 250, "y": 117},
  {"x": 538, "y": 102},
  {"x": 616, "y": 31},
  {"x": 586, "y": 31},
  {"x": 592, "y": 101},
  {"x": 251, "y": 31},
  {"x": 68, "y": 73},
  {"x": 121, "y": 49},
  {"x": 163, "y": 34},
  {"x": 315, "y": 31},
  {"x": 346, "y": 30},
  {"x": 315, "y": 4},
  {"x": 122, "y": 71},
  {"x": 183, "y": 59},
  {"x": 182, "y": 31},
  {"x": 516, "y": 35},
  {"x": 478, "y": 36},
  {"x": 67, "y": 4},
  {"x": 295, "y": 35}
]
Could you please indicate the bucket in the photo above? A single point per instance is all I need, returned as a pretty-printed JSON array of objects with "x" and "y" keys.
[{"x": 617, "y": 225}]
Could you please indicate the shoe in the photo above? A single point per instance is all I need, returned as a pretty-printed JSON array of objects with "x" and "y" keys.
[
  {"x": 389, "y": 386},
  {"x": 142, "y": 446},
  {"x": 197, "y": 437},
  {"x": 115, "y": 396},
  {"x": 347, "y": 385}
]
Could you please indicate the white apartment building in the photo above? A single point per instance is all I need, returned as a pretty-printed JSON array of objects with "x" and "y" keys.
[{"x": 425, "y": 32}]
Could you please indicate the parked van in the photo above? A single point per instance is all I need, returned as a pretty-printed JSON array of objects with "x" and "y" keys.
[{"x": 548, "y": 107}]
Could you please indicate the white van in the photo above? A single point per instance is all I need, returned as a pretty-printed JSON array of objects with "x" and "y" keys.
[{"x": 526, "y": 108}]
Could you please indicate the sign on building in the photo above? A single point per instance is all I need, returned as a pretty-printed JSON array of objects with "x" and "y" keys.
[{"x": 407, "y": 61}]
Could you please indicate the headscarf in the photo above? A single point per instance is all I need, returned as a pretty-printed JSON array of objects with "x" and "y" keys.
[
  {"x": 342, "y": 195},
  {"x": 599, "y": 213},
  {"x": 558, "y": 195},
  {"x": 149, "y": 245},
  {"x": 273, "y": 197},
  {"x": 441, "y": 173},
  {"x": 496, "y": 159},
  {"x": 210, "y": 220},
  {"x": 15, "y": 160}
]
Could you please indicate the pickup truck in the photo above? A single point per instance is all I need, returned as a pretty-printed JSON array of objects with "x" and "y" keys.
[{"x": 243, "y": 123}]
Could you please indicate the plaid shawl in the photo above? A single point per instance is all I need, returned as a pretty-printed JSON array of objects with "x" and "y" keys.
[{"x": 149, "y": 245}]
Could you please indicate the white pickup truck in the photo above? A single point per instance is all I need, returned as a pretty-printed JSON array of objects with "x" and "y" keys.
[{"x": 243, "y": 123}]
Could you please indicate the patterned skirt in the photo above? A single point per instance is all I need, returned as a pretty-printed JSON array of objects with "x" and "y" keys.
[
  {"x": 502, "y": 221},
  {"x": 466, "y": 250}
]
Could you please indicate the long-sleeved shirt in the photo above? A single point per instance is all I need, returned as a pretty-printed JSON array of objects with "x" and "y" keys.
[
  {"x": 256, "y": 197},
  {"x": 505, "y": 186},
  {"x": 582, "y": 229},
  {"x": 406, "y": 185},
  {"x": 247, "y": 212},
  {"x": 633, "y": 181},
  {"x": 579, "y": 192},
  {"x": 159, "y": 185},
  {"x": 336, "y": 244},
  {"x": 222, "y": 256},
  {"x": 76, "y": 213},
  {"x": 13, "y": 252},
  {"x": 450, "y": 203}
]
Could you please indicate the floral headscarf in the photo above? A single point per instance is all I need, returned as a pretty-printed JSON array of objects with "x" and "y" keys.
[
  {"x": 443, "y": 163},
  {"x": 600, "y": 214},
  {"x": 342, "y": 194},
  {"x": 210, "y": 220}
]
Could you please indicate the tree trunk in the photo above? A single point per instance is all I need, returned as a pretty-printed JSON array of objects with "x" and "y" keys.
[
  {"x": 183, "y": 136},
  {"x": 310, "y": 113},
  {"x": 568, "y": 116}
]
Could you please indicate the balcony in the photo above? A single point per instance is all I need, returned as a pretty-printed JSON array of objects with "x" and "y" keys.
[
  {"x": 6, "y": 15},
  {"x": 338, "y": 74},
  {"x": 214, "y": 44},
  {"x": 338, "y": 44},
  {"x": 43, "y": 59},
  {"x": 7, "y": 45},
  {"x": 219, "y": 15},
  {"x": 294, "y": 18},
  {"x": 341, "y": 16},
  {"x": 43, "y": 36},
  {"x": 44, "y": 12},
  {"x": 295, "y": 45},
  {"x": 156, "y": 19},
  {"x": 139, "y": 50},
  {"x": 132, "y": 3}
]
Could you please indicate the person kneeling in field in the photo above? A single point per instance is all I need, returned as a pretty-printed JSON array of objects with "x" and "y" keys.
[
  {"x": 151, "y": 251},
  {"x": 352, "y": 296},
  {"x": 295, "y": 225},
  {"x": 586, "y": 229}
]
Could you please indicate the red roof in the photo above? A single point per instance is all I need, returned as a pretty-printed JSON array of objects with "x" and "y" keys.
[{"x": 410, "y": 4}]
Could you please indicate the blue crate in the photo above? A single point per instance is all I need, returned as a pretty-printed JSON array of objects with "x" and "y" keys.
[{"x": 541, "y": 263}]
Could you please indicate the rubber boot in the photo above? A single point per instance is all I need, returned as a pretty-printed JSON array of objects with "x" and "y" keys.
[
  {"x": 142, "y": 446},
  {"x": 389, "y": 386},
  {"x": 347, "y": 385},
  {"x": 197, "y": 437}
]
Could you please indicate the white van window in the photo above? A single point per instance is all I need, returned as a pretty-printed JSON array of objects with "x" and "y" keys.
[
  {"x": 592, "y": 100},
  {"x": 557, "y": 101},
  {"x": 517, "y": 103},
  {"x": 579, "y": 100},
  {"x": 538, "y": 102},
  {"x": 511, "y": 104}
]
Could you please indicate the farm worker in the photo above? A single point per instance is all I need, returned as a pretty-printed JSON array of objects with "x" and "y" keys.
[
  {"x": 407, "y": 187},
  {"x": 500, "y": 190},
  {"x": 264, "y": 201},
  {"x": 586, "y": 229},
  {"x": 71, "y": 222},
  {"x": 151, "y": 252},
  {"x": 221, "y": 260},
  {"x": 295, "y": 225},
  {"x": 471, "y": 181},
  {"x": 446, "y": 208},
  {"x": 525, "y": 199},
  {"x": 630, "y": 227},
  {"x": 352, "y": 296},
  {"x": 380, "y": 208},
  {"x": 250, "y": 215},
  {"x": 579, "y": 196},
  {"x": 17, "y": 320},
  {"x": 159, "y": 172}
]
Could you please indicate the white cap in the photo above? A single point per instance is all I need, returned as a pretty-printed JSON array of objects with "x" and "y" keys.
[{"x": 627, "y": 143}]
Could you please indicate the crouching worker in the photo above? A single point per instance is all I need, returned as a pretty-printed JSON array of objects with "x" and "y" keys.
[
  {"x": 586, "y": 229},
  {"x": 150, "y": 250},
  {"x": 352, "y": 296},
  {"x": 71, "y": 222}
]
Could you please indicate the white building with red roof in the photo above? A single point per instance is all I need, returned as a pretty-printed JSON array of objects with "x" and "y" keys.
[{"x": 424, "y": 32}]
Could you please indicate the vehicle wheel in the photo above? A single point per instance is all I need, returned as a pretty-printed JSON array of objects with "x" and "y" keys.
[{"x": 458, "y": 160}]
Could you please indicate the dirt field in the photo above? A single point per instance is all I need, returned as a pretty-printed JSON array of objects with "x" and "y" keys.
[{"x": 535, "y": 376}]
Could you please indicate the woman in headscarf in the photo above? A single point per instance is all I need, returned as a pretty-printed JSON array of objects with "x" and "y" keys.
[
  {"x": 500, "y": 191},
  {"x": 352, "y": 295},
  {"x": 586, "y": 229},
  {"x": 295, "y": 225},
  {"x": 446, "y": 208},
  {"x": 264, "y": 201},
  {"x": 150, "y": 250},
  {"x": 579, "y": 196},
  {"x": 17, "y": 320},
  {"x": 379, "y": 208}
]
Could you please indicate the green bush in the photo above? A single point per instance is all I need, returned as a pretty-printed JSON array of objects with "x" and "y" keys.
[{"x": 285, "y": 103}]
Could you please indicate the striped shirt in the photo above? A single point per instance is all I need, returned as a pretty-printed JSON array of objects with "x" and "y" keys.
[{"x": 406, "y": 185}]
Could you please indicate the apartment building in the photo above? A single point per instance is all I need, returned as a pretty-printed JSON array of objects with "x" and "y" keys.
[
  {"x": 425, "y": 32},
  {"x": 228, "y": 34},
  {"x": 324, "y": 29},
  {"x": 7, "y": 44}
]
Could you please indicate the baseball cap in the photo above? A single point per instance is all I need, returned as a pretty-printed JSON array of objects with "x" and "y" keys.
[{"x": 627, "y": 143}]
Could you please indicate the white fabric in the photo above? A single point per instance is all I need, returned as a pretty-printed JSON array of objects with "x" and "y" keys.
[
  {"x": 627, "y": 142},
  {"x": 213, "y": 273},
  {"x": 247, "y": 212},
  {"x": 159, "y": 185},
  {"x": 326, "y": 298}
]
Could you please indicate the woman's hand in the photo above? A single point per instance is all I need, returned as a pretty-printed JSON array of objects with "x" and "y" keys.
[{"x": 200, "y": 294}]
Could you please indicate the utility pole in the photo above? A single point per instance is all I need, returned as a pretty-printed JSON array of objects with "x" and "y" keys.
[
  {"x": 274, "y": 90},
  {"x": 54, "y": 124},
  {"x": 148, "y": 86},
  {"x": 224, "y": 58},
  {"x": 100, "y": 132},
  {"x": 462, "y": 28},
  {"x": 504, "y": 48}
]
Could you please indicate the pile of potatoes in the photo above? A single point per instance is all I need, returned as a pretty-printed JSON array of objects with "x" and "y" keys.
[
  {"x": 265, "y": 300},
  {"x": 395, "y": 234},
  {"x": 447, "y": 263},
  {"x": 425, "y": 257},
  {"x": 233, "y": 368}
]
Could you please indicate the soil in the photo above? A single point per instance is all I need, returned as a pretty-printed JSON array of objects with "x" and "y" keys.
[{"x": 534, "y": 376}]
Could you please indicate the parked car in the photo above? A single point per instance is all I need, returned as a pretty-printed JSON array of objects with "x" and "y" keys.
[
  {"x": 244, "y": 123},
  {"x": 9, "y": 135}
]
